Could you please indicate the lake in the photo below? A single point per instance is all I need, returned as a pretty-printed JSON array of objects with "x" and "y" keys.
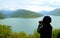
[{"x": 28, "y": 24}]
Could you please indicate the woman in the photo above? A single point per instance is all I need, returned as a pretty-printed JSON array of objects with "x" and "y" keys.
[{"x": 45, "y": 29}]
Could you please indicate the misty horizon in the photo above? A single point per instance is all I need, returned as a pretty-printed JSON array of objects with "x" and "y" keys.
[{"x": 33, "y": 5}]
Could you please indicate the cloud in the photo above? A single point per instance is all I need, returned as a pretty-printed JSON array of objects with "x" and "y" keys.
[
  {"x": 38, "y": 8},
  {"x": 34, "y": 5}
]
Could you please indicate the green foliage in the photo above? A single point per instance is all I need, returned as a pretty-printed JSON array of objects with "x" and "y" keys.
[
  {"x": 19, "y": 35},
  {"x": 5, "y": 31},
  {"x": 55, "y": 33},
  {"x": 30, "y": 36},
  {"x": 25, "y": 14},
  {"x": 22, "y": 35},
  {"x": 15, "y": 35},
  {"x": 36, "y": 35}
]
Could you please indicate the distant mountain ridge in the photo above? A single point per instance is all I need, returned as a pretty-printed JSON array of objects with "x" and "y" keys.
[
  {"x": 2, "y": 16},
  {"x": 55, "y": 12},
  {"x": 43, "y": 12},
  {"x": 20, "y": 13},
  {"x": 6, "y": 12}
]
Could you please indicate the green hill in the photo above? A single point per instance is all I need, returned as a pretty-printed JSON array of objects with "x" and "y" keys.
[
  {"x": 55, "y": 12},
  {"x": 25, "y": 14},
  {"x": 2, "y": 16}
]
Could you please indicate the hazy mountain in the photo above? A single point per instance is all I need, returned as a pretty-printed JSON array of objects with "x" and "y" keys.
[
  {"x": 25, "y": 14},
  {"x": 43, "y": 12},
  {"x": 6, "y": 12},
  {"x": 2, "y": 16},
  {"x": 55, "y": 12}
]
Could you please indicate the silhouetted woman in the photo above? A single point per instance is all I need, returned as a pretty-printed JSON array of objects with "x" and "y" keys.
[{"x": 45, "y": 29}]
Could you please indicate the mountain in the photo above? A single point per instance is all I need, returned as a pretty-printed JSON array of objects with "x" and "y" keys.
[
  {"x": 6, "y": 12},
  {"x": 2, "y": 16},
  {"x": 55, "y": 12},
  {"x": 43, "y": 12},
  {"x": 21, "y": 13}
]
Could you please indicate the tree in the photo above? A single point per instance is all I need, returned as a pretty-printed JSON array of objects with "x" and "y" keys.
[
  {"x": 22, "y": 35},
  {"x": 15, "y": 35},
  {"x": 36, "y": 34},
  {"x": 5, "y": 31}
]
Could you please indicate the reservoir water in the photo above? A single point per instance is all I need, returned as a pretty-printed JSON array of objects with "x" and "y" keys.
[{"x": 28, "y": 24}]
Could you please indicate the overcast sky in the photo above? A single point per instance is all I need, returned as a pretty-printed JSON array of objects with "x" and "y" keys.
[{"x": 33, "y": 5}]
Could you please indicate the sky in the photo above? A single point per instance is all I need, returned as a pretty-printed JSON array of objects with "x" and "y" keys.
[{"x": 33, "y": 5}]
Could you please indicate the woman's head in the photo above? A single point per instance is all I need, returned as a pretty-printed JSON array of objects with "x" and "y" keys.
[{"x": 47, "y": 19}]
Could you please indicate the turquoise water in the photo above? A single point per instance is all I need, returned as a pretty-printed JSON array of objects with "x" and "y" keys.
[{"x": 28, "y": 24}]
